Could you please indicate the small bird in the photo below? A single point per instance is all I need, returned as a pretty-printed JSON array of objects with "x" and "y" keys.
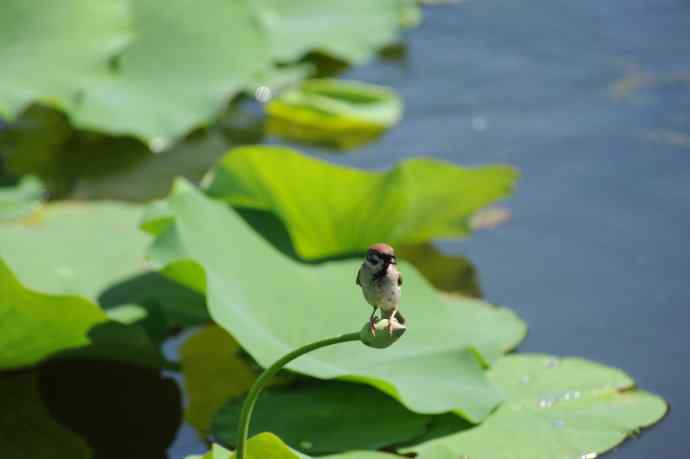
[{"x": 380, "y": 281}]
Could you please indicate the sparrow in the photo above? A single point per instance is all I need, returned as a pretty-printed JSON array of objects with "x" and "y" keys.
[{"x": 381, "y": 281}]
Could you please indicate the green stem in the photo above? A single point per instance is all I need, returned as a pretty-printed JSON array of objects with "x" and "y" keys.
[{"x": 262, "y": 381}]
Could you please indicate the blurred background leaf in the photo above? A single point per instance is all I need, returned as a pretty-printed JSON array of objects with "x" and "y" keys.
[
  {"x": 215, "y": 370},
  {"x": 21, "y": 199},
  {"x": 56, "y": 49},
  {"x": 338, "y": 113},
  {"x": 335, "y": 210}
]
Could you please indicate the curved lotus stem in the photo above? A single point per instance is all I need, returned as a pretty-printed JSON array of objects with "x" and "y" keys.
[{"x": 380, "y": 340}]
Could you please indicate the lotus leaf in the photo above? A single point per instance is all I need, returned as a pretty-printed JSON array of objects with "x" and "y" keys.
[
  {"x": 555, "y": 408},
  {"x": 214, "y": 372},
  {"x": 325, "y": 417},
  {"x": 20, "y": 200},
  {"x": 333, "y": 210},
  {"x": 268, "y": 446},
  {"x": 174, "y": 78},
  {"x": 352, "y": 31},
  {"x": 35, "y": 326},
  {"x": 83, "y": 247},
  {"x": 52, "y": 50},
  {"x": 272, "y": 304},
  {"x": 338, "y": 112}
]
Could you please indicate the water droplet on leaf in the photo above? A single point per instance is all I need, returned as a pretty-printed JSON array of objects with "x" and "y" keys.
[{"x": 263, "y": 94}]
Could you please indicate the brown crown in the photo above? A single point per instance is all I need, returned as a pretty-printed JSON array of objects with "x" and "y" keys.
[{"x": 383, "y": 248}]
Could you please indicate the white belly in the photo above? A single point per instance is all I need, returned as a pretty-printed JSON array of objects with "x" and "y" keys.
[{"x": 383, "y": 293}]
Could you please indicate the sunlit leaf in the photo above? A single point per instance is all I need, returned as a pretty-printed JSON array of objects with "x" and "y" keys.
[
  {"x": 95, "y": 250},
  {"x": 333, "y": 112},
  {"x": 83, "y": 247},
  {"x": 106, "y": 402},
  {"x": 272, "y": 304},
  {"x": 214, "y": 372},
  {"x": 172, "y": 79},
  {"x": 325, "y": 417},
  {"x": 22, "y": 199},
  {"x": 354, "y": 30},
  {"x": 555, "y": 408},
  {"x": 28, "y": 429},
  {"x": 36, "y": 326},
  {"x": 51, "y": 50},
  {"x": 331, "y": 210}
]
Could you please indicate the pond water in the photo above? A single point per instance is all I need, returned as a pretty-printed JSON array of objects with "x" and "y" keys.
[{"x": 591, "y": 100}]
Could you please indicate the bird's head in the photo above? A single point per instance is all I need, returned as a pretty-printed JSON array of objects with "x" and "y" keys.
[{"x": 379, "y": 256}]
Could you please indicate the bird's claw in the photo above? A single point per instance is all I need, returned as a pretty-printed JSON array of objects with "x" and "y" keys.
[{"x": 372, "y": 325}]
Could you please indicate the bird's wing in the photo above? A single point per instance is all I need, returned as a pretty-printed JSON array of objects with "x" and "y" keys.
[
  {"x": 399, "y": 280},
  {"x": 357, "y": 278}
]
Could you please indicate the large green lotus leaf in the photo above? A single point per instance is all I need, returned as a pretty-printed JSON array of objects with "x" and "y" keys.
[
  {"x": 272, "y": 304},
  {"x": 95, "y": 250},
  {"x": 352, "y": 31},
  {"x": 331, "y": 210},
  {"x": 569, "y": 408},
  {"x": 268, "y": 446},
  {"x": 35, "y": 326},
  {"x": 325, "y": 417},
  {"x": 22, "y": 199},
  {"x": 333, "y": 112},
  {"x": 27, "y": 428},
  {"x": 74, "y": 247},
  {"x": 214, "y": 372},
  {"x": 52, "y": 49},
  {"x": 185, "y": 63},
  {"x": 106, "y": 402}
]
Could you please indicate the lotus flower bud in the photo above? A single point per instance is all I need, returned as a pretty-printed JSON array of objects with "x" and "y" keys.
[{"x": 383, "y": 338}]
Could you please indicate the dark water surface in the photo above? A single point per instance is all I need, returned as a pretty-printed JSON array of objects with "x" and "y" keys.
[{"x": 591, "y": 100}]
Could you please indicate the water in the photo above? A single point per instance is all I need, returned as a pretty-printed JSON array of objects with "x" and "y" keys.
[{"x": 591, "y": 100}]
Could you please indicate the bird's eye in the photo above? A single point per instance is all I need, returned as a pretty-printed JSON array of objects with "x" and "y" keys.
[
  {"x": 373, "y": 259},
  {"x": 394, "y": 260}
]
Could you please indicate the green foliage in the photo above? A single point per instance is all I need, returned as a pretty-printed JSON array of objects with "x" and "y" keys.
[
  {"x": 325, "y": 417},
  {"x": 83, "y": 247},
  {"x": 120, "y": 67},
  {"x": 334, "y": 210},
  {"x": 352, "y": 32},
  {"x": 554, "y": 408},
  {"x": 173, "y": 79},
  {"x": 28, "y": 430},
  {"x": 308, "y": 302},
  {"x": 269, "y": 446},
  {"x": 20, "y": 200},
  {"x": 53, "y": 50},
  {"x": 215, "y": 371},
  {"x": 333, "y": 112},
  {"x": 36, "y": 326}
]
